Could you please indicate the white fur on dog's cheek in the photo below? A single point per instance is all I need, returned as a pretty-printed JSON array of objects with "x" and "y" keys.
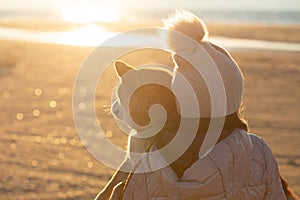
[
  {"x": 121, "y": 113},
  {"x": 117, "y": 111}
]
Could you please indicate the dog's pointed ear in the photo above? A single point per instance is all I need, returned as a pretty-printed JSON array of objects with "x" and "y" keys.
[{"x": 122, "y": 68}]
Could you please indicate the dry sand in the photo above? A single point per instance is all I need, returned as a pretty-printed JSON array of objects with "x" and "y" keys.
[{"x": 42, "y": 156}]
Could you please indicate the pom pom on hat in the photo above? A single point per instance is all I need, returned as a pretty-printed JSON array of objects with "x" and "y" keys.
[{"x": 187, "y": 23}]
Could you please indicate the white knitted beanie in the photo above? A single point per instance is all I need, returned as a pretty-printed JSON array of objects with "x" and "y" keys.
[{"x": 214, "y": 76}]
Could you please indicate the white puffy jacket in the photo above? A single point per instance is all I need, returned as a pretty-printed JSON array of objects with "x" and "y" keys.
[{"x": 241, "y": 166}]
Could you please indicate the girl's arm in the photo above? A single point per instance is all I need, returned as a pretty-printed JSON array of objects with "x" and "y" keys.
[
  {"x": 119, "y": 176},
  {"x": 134, "y": 145}
]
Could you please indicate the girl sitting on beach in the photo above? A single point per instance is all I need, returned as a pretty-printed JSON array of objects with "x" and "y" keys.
[{"x": 240, "y": 165}]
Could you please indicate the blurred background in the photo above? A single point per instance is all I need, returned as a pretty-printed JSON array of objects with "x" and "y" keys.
[
  {"x": 276, "y": 11},
  {"x": 44, "y": 43}
]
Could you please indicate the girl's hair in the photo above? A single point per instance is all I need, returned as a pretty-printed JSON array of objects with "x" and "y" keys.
[
  {"x": 231, "y": 122},
  {"x": 236, "y": 120}
]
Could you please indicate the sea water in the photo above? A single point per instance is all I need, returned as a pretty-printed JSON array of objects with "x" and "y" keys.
[
  {"x": 219, "y": 16},
  {"x": 92, "y": 35}
]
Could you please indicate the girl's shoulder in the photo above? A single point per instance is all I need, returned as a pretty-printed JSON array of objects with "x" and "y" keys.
[
  {"x": 258, "y": 147},
  {"x": 241, "y": 142}
]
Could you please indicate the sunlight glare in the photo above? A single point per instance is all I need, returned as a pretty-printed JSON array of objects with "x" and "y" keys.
[
  {"x": 87, "y": 35},
  {"x": 89, "y": 13}
]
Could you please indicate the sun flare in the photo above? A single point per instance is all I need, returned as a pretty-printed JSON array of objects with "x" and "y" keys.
[
  {"x": 86, "y": 35},
  {"x": 89, "y": 13}
]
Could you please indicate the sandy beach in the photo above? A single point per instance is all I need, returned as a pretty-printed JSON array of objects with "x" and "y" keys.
[{"x": 42, "y": 156}]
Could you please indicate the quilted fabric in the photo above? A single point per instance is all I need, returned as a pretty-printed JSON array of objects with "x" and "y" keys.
[{"x": 241, "y": 166}]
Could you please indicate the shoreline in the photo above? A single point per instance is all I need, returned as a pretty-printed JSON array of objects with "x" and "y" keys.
[
  {"x": 270, "y": 32},
  {"x": 93, "y": 36}
]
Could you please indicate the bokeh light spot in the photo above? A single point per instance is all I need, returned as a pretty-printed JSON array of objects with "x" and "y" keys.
[
  {"x": 34, "y": 163},
  {"x": 13, "y": 146},
  {"x": 58, "y": 114},
  {"x": 90, "y": 164},
  {"x": 38, "y": 91},
  {"x": 63, "y": 140},
  {"x": 82, "y": 106},
  {"x": 109, "y": 134},
  {"x": 52, "y": 104},
  {"x": 6, "y": 94},
  {"x": 61, "y": 156},
  {"x": 36, "y": 112},
  {"x": 20, "y": 116}
]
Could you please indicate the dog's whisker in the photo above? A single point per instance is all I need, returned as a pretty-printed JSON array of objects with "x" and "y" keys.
[{"x": 106, "y": 108}]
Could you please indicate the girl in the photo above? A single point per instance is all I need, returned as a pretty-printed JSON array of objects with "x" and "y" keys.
[{"x": 239, "y": 166}]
